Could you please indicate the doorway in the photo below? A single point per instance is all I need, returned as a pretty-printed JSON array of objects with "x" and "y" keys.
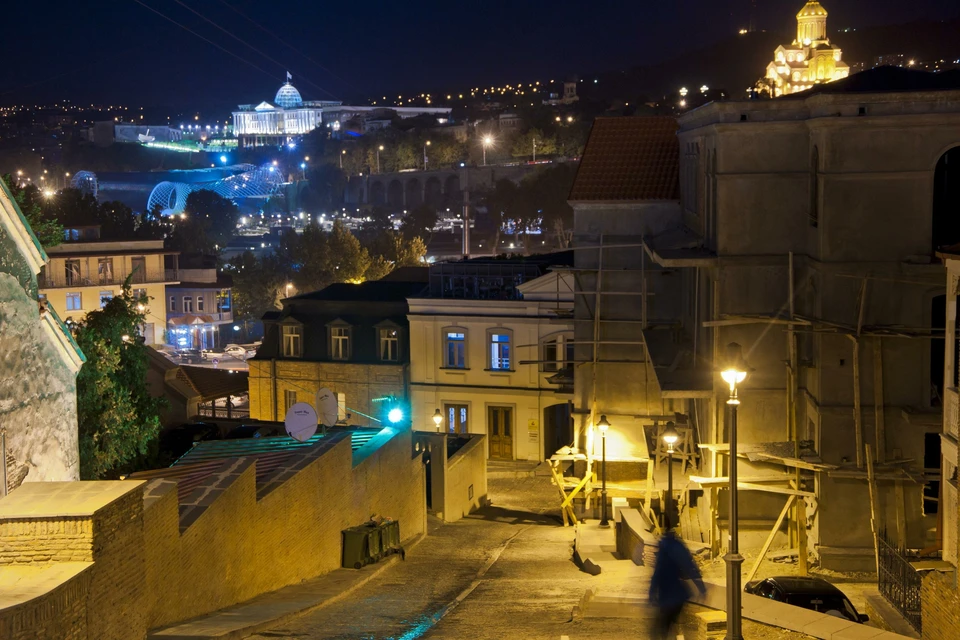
[
  {"x": 500, "y": 432},
  {"x": 456, "y": 418},
  {"x": 557, "y": 428}
]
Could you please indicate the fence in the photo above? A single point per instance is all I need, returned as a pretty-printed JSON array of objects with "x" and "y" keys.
[
  {"x": 209, "y": 410},
  {"x": 898, "y": 581}
]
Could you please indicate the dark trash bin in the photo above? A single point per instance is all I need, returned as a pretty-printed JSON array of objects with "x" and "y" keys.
[{"x": 370, "y": 542}]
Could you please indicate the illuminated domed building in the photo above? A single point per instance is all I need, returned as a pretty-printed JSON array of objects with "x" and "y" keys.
[{"x": 810, "y": 59}]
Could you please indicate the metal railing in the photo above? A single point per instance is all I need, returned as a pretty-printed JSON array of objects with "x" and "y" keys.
[
  {"x": 63, "y": 280},
  {"x": 208, "y": 410},
  {"x": 898, "y": 581}
]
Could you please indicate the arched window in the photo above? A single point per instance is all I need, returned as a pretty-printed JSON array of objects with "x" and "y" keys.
[
  {"x": 946, "y": 200},
  {"x": 815, "y": 188}
]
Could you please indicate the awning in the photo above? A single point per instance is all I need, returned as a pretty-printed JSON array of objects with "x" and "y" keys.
[{"x": 189, "y": 319}]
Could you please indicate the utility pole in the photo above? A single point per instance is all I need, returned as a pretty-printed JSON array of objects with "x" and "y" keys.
[
  {"x": 466, "y": 212},
  {"x": 534, "y": 149}
]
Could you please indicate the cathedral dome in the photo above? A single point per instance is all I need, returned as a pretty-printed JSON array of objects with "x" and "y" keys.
[
  {"x": 811, "y": 9},
  {"x": 288, "y": 97}
]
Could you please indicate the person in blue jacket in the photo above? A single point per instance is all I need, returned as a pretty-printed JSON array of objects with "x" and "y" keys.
[{"x": 668, "y": 589}]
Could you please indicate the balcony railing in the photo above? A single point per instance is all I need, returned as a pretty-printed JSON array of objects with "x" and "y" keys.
[
  {"x": 223, "y": 316},
  {"x": 63, "y": 280}
]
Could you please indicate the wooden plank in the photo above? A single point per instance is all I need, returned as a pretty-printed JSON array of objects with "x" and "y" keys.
[
  {"x": 872, "y": 488},
  {"x": 781, "y": 490},
  {"x": 901, "y": 515},
  {"x": 706, "y": 481},
  {"x": 880, "y": 429},
  {"x": 572, "y": 494},
  {"x": 769, "y": 540}
]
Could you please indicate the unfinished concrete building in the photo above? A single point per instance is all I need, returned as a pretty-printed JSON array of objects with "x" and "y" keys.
[{"x": 805, "y": 231}]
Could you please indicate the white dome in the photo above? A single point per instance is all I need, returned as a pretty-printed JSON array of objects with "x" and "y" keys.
[{"x": 288, "y": 97}]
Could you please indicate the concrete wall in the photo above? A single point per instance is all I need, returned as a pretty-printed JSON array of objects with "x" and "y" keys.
[
  {"x": 151, "y": 567},
  {"x": 458, "y": 483}
]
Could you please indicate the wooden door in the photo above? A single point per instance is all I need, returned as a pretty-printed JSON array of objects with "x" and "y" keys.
[
  {"x": 456, "y": 416},
  {"x": 500, "y": 432}
]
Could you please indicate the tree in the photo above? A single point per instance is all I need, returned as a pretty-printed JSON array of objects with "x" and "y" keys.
[
  {"x": 329, "y": 183},
  {"x": 420, "y": 222},
  {"x": 348, "y": 259},
  {"x": 118, "y": 419},
  {"x": 47, "y": 229},
  {"x": 258, "y": 285},
  {"x": 212, "y": 214},
  {"x": 523, "y": 144}
]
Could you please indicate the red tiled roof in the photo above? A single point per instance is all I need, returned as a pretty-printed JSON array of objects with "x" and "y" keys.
[{"x": 636, "y": 158}]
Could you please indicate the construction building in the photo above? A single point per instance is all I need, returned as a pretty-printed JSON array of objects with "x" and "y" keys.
[{"x": 803, "y": 229}]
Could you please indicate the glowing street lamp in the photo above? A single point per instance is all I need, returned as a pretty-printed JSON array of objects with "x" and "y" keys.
[
  {"x": 437, "y": 419},
  {"x": 425, "y": 145},
  {"x": 604, "y": 426},
  {"x": 379, "y": 149},
  {"x": 343, "y": 152},
  {"x": 670, "y": 437},
  {"x": 487, "y": 141},
  {"x": 734, "y": 372},
  {"x": 303, "y": 170},
  {"x": 683, "y": 92}
]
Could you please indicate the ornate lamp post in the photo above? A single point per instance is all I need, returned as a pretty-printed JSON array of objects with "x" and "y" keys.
[
  {"x": 670, "y": 436},
  {"x": 437, "y": 419},
  {"x": 734, "y": 372},
  {"x": 604, "y": 426}
]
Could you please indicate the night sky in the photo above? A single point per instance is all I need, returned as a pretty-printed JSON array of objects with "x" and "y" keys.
[{"x": 118, "y": 51}]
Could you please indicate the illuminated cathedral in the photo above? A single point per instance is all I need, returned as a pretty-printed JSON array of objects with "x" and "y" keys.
[{"x": 809, "y": 60}]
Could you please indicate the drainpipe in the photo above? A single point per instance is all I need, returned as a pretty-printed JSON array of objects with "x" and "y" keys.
[{"x": 273, "y": 388}]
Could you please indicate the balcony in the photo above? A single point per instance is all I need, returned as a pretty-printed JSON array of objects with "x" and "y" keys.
[
  {"x": 64, "y": 280},
  {"x": 202, "y": 316}
]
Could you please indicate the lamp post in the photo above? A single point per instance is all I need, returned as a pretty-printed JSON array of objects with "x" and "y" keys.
[
  {"x": 343, "y": 152},
  {"x": 534, "y": 149},
  {"x": 425, "y": 145},
  {"x": 303, "y": 170},
  {"x": 379, "y": 149},
  {"x": 670, "y": 436},
  {"x": 604, "y": 426},
  {"x": 487, "y": 141},
  {"x": 437, "y": 419},
  {"x": 734, "y": 372}
]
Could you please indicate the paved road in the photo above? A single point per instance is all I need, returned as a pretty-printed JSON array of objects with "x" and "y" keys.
[{"x": 504, "y": 572}]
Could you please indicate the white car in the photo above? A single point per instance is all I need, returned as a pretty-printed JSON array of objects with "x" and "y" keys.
[{"x": 240, "y": 352}]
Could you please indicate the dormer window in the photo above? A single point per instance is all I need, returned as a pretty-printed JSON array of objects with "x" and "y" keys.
[
  {"x": 340, "y": 334},
  {"x": 292, "y": 337}
]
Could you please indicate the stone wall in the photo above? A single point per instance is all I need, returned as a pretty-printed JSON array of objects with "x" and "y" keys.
[
  {"x": 466, "y": 480},
  {"x": 940, "y": 606}
]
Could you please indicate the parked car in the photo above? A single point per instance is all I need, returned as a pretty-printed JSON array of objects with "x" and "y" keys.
[
  {"x": 188, "y": 356},
  {"x": 212, "y": 354},
  {"x": 240, "y": 352},
  {"x": 815, "y": 594}
]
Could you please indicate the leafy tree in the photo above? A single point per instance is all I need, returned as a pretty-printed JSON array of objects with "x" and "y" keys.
[
  {"x": 379, "y": 267},
  {"x": 349, "y": 260},
  {"x": 217, "y": 215},
  {"x": 118, "y": 419},
  {"x": 329, "y": 182},
  {"x": 407, "y": 156},
  {"x": 258, "y": 284},
  {"x": 523, "y": 144},
  {"x": 420, "y": 222},
  {"x": 310, "y": 259},
  {"x": 379, "y": 222},
  {"x": 47, "y": 229}
]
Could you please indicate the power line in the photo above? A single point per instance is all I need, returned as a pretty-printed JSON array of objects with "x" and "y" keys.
[
  {"x": 284, "y": 42},
  {"x": 245, "y": 43},
  {"x": 207, "y": 40}
]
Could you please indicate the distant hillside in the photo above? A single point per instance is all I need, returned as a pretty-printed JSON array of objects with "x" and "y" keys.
[{"x": 737, "y": 62}]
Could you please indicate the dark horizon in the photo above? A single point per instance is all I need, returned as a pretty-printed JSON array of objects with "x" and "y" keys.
[{"x": 126, "y": 53}]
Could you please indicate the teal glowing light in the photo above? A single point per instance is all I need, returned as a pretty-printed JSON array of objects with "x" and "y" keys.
[{"x": 395, "y": 415}]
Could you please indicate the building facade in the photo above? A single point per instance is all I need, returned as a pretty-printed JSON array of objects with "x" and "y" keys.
[
  {"x": 82, "y": 274},
  {"x": 810, "y": 59},
  {"x": 495, "y": 362},
  {"x": 352, "y": 339},
  {"x": 200, "y": 307},
  {"x": 38, "y": 391}
]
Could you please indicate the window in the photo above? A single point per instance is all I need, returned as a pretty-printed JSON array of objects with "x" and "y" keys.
[
  {"x": 105, "y": 270},
  {"x": 557, "y": 353},
  {"x": 340, "y": 343},
  {"x": 223, "y": 300},
  {"x": 289, "y": 399},
  {"x": 74, "y": 302},
  {"x": 72, "y": 271},
  {"x": 187, "y": 304},
  {"x": 499, "y": 342},
  {"x": 292, "y": 341},
  {"x": 105, "y": 297},
  {"x": 455, "y": 349},
  {"x": 173, "y": 303},
  {"x": 199, "y": 304},
  {"x": 140, "y": 294},
  {"x": 389, "y": 345}
]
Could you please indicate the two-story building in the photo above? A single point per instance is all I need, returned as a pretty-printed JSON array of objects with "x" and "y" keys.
[
  {"x": 85, "y": 271},
  {"x": 352, "y": 339},
  {"x": 199, "y": 305},
  {"x": 493, "y": 353}
]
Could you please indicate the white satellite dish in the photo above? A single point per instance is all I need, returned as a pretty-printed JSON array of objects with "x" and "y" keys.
[
  {"x": 327, "y": 407},
  {"x": 301, "y": 421}
]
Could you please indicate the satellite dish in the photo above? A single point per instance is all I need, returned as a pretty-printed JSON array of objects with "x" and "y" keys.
[
  {"x": 327, "y": 406},
  {"x": 301, "y": 421}
]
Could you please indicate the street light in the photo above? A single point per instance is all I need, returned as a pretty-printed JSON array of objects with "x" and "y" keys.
[
  {"x": 437, "y": 419},
  {"x": 604, "y": 426},
  {"x": 379, "y": 149},
  {"x": 343, "y": 152},
  {"x": 425, "y": 145},
  {"x": 734, "y": 372},
  {"x": 487, "y": 141},
  {"x": 670, "y": 436},
  {"x": 303, "y": 170}
]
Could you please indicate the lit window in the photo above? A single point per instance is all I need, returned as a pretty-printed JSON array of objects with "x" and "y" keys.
[
  {"x": 389, "y": 345},
  {"x": 500, "y": 351},
  {"x": 289, "y": 399},
  {"x": 455, "y": 350},
  {"x": 187, "y": 304},
  {"x": 292, "y": 342},
  {"x": 105, "y": 270},
  {"x": 105, "y": 297},
  {"x": 173, "y": 303},
  {"x": 340, "y": 343},
  {"x": 74, "y": 302},
  {"x": 199, "y": 304}
]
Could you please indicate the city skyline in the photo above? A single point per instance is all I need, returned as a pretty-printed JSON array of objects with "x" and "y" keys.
[{"x": 176, "y": 52}]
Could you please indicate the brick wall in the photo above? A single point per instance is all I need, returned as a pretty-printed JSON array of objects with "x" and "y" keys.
[
  {"x": 59, "y": 615},
  {"x": 940, "y": 607},
  {"x": 33, "y": 540}
]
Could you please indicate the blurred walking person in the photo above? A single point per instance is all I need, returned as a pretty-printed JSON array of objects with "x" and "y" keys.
[{"x": 668, "y": 589}]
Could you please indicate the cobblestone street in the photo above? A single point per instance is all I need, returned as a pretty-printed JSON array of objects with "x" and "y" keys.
[{"x": 504, "y": 572}]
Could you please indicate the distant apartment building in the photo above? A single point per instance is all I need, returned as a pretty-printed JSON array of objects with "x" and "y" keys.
[
  {"x": 492, "y": 352},
  {"x": 85, "y": 272},
  {"x": 352, "y": 339},
  {"x": 200, "y": 306}
]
